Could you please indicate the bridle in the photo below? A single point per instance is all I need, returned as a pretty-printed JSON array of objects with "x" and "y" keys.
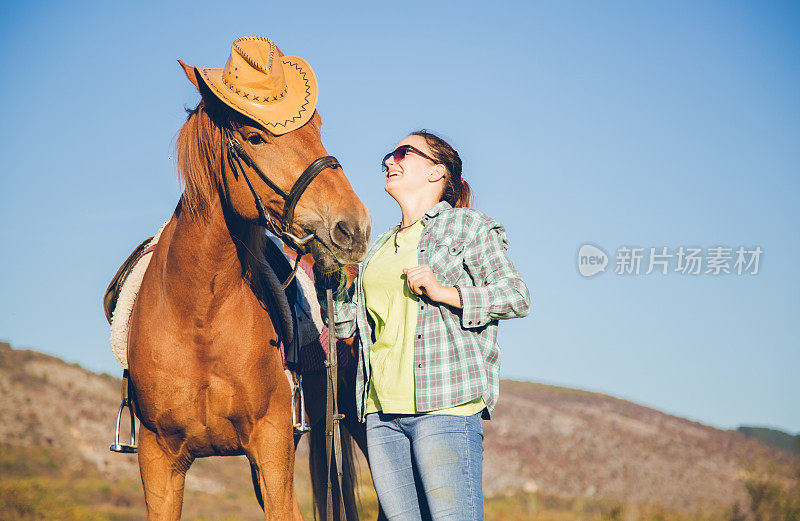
[{"x": 236, "y": 155}]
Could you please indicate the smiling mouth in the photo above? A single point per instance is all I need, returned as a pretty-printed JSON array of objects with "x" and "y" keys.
[{"x": 392, "y": 174}]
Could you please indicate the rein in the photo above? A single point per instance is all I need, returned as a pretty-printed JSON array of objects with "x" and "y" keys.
[
  {"x": 236, "y": 155},
  {"x": 333, "y": 435}
]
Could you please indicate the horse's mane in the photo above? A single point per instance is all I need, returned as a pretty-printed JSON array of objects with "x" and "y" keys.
[
  {"x": 198, "y": 150},
  {"x": 198, "y": 153}
]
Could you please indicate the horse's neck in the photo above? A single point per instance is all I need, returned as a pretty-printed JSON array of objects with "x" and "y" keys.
[{"x": 203, "y": 265}]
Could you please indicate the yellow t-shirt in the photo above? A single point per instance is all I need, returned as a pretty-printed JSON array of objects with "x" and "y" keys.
[{"x": 393, "y": 310}]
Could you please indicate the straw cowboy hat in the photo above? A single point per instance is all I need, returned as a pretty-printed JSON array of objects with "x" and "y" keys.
[{"x": 278, "y": 92}]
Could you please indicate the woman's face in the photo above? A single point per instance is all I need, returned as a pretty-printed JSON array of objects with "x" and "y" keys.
[{"x": 414, "y": 175}]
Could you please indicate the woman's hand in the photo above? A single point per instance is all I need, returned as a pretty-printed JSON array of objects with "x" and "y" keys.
[{"x": 422, "y": 281}]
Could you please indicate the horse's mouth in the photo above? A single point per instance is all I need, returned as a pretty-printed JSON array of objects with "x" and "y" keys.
[
  {"x": 323, "y": 255},
  {"x": 330, "y": 257}
]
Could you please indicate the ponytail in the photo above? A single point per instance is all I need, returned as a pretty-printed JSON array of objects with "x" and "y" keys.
[{"x": 465, "y": 201}]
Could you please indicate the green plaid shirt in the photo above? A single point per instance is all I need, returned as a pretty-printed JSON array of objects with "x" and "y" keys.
[{"x": 456, "y": 357}]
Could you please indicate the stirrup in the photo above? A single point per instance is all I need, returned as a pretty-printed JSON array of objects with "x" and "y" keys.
[
  {"x": 126, "y": 403},
  {"x": 299, "y": 424}
]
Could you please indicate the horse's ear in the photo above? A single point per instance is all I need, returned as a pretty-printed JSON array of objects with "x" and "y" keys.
[{"x": 189, "y": 71}]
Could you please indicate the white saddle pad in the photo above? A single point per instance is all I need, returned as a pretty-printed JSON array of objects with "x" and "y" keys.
[{"x": 121, "y": 318}]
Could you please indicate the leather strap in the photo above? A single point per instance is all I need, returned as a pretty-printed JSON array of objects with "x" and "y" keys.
[
  {"x": 308, "y": 175},
  {"x": 333, "y": 440}
]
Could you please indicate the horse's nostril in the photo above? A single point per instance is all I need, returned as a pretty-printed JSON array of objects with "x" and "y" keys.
[{"x": 342, "y": 234}]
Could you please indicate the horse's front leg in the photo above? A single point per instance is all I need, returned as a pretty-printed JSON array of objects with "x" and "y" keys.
[
  {"x": 271, "y": 454},
  {"x": 163, "y": 476}
]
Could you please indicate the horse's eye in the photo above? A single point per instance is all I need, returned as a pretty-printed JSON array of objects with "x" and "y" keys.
[{"x": 255, "y": 139}]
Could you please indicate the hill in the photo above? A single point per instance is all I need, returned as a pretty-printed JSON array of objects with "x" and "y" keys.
[
  {"x": 550, "y": 452},
  {"x": 774, "y": 437}
]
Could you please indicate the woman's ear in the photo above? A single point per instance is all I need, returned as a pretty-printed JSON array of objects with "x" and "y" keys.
[{"x": 438, "y": 172}]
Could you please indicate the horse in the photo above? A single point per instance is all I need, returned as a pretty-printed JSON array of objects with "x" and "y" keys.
[{"x": 206, "y": 376}]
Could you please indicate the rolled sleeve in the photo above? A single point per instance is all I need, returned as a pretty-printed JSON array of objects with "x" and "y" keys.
[{"x": 499, "y": 291}]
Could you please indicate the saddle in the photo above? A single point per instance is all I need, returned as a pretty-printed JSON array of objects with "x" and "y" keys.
[{"x": 112, "y": 292}]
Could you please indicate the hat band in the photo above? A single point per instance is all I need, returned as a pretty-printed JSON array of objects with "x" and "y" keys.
[{"x": 252, "y": 97}]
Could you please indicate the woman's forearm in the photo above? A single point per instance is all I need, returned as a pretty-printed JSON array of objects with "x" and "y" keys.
[{"x": 451, "y": 297}]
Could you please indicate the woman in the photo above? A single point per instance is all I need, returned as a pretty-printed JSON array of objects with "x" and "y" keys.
[{"x": 425, "y": 305}]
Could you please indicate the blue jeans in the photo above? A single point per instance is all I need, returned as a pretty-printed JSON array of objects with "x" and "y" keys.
[{"x": 427, "y": 466}]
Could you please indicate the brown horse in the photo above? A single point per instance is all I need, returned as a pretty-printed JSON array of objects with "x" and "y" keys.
[{"x": 206, "y": 375}]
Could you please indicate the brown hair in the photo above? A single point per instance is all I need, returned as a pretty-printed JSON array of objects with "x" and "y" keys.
[{"x": 457, "y": 192}]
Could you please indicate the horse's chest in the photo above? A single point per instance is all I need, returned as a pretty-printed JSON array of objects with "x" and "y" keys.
[{"x": 208, "y": 373}]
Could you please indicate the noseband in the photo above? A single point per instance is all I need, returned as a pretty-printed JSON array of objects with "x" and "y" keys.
[{"x": 236, "y": 155}]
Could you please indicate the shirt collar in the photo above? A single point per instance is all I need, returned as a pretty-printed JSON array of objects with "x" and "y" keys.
[
  {"x": 438, "y": 207},
  {"x": 433, "y": 212}
]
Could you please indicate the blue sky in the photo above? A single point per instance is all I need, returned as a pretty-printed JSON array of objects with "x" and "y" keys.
[{"x": 617, "y": 124}]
